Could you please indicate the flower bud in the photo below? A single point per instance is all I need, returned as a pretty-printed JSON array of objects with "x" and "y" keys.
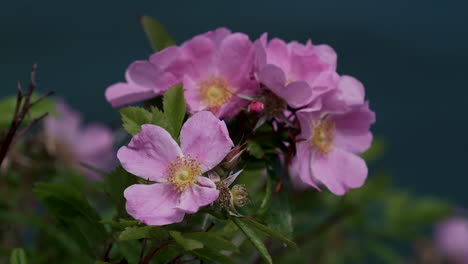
[
  {"x": 256, "y": 107},
  {"x": 232, "y": 158},
  {"x": 239, "y": 194}
]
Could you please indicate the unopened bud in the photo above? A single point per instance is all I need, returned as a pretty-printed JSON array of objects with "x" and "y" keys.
[
  {"x": 256, "y": 107},
  {"x": 232, "y": 158},
  {"x": 239, "y": 194}
]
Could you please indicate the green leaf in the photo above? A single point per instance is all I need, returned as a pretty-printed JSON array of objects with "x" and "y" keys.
[
  {"x": 174, "y": 108},
  {"x": 212, "y": 256},
  {"x": 114, "y": 185},
  {"x": 74, "y": 214},
  {"x": 129, "y": 249},
  {"x": 212, "y": 240},
  {"x": 120, "y": 224},
  {"x": 279, "y": 216},
  {"x": 255, "y": 150},
  {"x": 186, "y": 243},
  {"x": 18, "y": 256},
  {"x": 133, "y": 117},
  {"x": 253, "y": 237},
  {"x": 270, "y": 232},
  {"x": 132, "y": 233},
  {"x": 156, "y": 33},
  {"x": 8, "y": 104}
]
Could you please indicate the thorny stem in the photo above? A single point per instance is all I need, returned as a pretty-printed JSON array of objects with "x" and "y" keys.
[{"x": 23, "y": 105}]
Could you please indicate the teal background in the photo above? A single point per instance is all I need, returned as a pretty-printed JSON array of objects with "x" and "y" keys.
[{"x": 411, "y": 56}]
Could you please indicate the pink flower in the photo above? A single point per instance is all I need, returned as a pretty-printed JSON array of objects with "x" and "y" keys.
[
  {"x": 146, "y": 79},
  {"x": 295, "y": 72},
  {"x": 451, "y": 237},
  {"x": 220, "y": 66},
  {"x": 334, "y": 131},
  {"x": 180, "y": 187},
  {"x": 72, "y": 143}
]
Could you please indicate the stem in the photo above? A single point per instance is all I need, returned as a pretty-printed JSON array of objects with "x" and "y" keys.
[
  {"x": 22, "y": 108},
  {"x": 150, "y": 255}
]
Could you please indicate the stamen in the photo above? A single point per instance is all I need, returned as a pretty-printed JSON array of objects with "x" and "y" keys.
[
  {"x": 215, "y": 92},
  {"x": 183, "y": 172},
  {"x": 322, "y": 135}
]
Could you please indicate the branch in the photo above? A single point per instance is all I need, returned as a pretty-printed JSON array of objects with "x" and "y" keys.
[{"x": 23, "y": 105}]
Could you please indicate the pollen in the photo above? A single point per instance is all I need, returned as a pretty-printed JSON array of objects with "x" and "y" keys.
[
  {"x": 322, "y": 136},
  {"x": 183, "y": 172},
  {"x": 215, "y": 92}
]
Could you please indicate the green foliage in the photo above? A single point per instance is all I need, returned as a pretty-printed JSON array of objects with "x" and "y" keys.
[
  {"x": 18, "y": 256},
  {"x": 156, "y": 33},
  {"x": 133, "y": 117},
  {"x": 186, "y": 243},
  {"x": 269, "y": 232},
  {"x": 254, "y": 238},
  {"x": 171, "y": 119},
  {"x": 114, "y": 185},
  {"x": 174, "y": 108},
  {"x": 212, "y": 240},
  {"x": 8, "y": 104},
  {"x": 132, "y": 233},
  {"x": 77, "y": 218},
  {"x": 211, "y": 255}
]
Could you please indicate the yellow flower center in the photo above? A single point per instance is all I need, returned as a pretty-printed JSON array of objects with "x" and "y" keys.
[
  {"x": 183, "y": 172},
  {"x": 215, "y": 92},
  {"x": 322, "y": 135}
]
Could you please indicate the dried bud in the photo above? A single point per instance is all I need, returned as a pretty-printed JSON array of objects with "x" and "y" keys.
[
  {"x": 224, "y": 198},
  {"x": 232, "y": 158},
  {"x": 239, "y": 194},
  {"x": 256, "y": 107}
]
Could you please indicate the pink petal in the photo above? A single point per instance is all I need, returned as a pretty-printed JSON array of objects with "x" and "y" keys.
[
  {"x": 198, "y": 195},
  {"x": 165, "y": 57},
  {"x": 153, "y": 204},
  {"x": 324, "y": 83},
  {"x": 260, "y": 52},
  {"x": 192, "y": 96},
  {"x": 95, "y": 138},
  {"x": 121, "y": 94},
  {"x": 297, "y": 94},
  {"x": 303, "y": 158},
  {"x": 352, "y": 90},
  {"x": 339, "y": 170},
  {"x": 328, "y": 55},
  {"x": 307, "y": 62},
  {"x": 273, "y": 78},
  {"x": 352, "y": 129},
  {"x": 235, "y": 58},
  {"x": 200, "y": 53},
  {"x": 149, "y": 152},
  {"x": 217, "y": 35},
  {"x": 278, "y": 54},
  {"x": 206, "y": 138},
  {"x": 142, "y": 73}
]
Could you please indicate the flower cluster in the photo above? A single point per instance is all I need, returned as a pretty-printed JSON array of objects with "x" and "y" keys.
[{"x": 292, "y": 85}]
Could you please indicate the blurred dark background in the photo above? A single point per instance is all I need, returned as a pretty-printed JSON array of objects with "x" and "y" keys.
[{"x": 411, "y": 56}]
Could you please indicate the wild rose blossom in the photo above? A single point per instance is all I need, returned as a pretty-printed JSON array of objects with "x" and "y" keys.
[
  {"x": 294, "y": 72},
  {"x": 451, "y": 238},
  {"x": 146, "y": 79},
  {"x": 72, "y": 143},
  {"x": 180, "y": 188},
  {"x": 214, "y": 67},
  {"x": 334, "y": 131},
  {"x": 220, "y": 65}
]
